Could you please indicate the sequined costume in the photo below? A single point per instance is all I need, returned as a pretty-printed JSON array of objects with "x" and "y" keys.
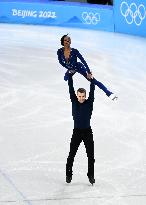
[{"x": 72, "y": 65}]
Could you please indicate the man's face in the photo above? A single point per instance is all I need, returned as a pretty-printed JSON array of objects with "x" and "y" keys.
[{"x": 81, "y": 97}]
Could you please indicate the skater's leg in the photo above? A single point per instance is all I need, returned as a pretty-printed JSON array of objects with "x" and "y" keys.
[
  {"x": 74, "y": 144},
  {"x": 102, "y": 87},
  {"x": 82, "y": 71},
  {"x": 89, "y": 145}
]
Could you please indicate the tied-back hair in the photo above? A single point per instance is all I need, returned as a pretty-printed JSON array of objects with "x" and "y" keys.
[
  {"x": 62, "y": 39},
  {"x": 81, "y": 90}
]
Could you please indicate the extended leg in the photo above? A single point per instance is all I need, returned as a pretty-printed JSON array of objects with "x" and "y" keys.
[
  {"x": 82, "y": 71},
  {"x": 102, "y": 87}
]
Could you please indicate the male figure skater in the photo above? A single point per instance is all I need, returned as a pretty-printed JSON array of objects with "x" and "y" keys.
[{"x": 81, "y": 111}]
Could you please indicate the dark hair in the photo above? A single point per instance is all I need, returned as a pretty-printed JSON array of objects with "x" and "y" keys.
[
  {"x": 62, "y": 39},
  {"x": 81, "y": 90}
]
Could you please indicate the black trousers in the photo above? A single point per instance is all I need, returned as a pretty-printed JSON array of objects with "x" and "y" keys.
[{"x": 78, "y": 136}]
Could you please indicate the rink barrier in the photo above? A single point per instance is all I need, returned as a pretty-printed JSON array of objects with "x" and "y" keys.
[
  {"x": 58, "y": 14},
  {"x": 126, "y": 16},
  {"x": 130, "y": 17}
]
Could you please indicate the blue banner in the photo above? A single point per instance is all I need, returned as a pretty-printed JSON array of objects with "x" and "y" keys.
[
  {"x": 58, "y": 14},
  {"x": 130, "y": 17}
]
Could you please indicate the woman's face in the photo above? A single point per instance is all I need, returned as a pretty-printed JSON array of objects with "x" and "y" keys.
[{"x": 67, "y": 41}]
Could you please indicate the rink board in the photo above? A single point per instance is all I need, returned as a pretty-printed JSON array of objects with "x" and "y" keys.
[
  {"x": 125, "y": 16},
  {"x": 130, "y": 17},
  {"x": 66, "y": 14}
]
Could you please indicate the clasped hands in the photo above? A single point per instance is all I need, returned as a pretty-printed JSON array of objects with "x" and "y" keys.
[{"x": 89, "y": 76}]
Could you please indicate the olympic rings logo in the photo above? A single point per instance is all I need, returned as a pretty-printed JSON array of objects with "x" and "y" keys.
[
  {"x": 133, "y": 13},
  {"x": 91, "y": 18}
]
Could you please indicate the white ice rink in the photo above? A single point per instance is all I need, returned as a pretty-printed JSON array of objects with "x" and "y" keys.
[{"x": 36, "y": 122}]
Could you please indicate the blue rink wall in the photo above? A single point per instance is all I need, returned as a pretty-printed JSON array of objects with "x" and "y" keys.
[
  {"x": 130, "y": 17},
  {"x": 126, "y": 16},
  {"x": 58, "y": 14}
]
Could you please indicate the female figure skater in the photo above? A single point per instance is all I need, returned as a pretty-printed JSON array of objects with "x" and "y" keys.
[{"x": 67, "y": 57}]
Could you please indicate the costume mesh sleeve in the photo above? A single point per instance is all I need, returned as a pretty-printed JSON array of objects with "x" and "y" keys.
[{"x": 83, "y": 61}]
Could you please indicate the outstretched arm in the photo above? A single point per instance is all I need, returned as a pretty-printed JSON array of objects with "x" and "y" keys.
[
  {"x": 83, "y": 61},
  {"x": 71, "y": 88},
  {"x": 92, "y": 88}
]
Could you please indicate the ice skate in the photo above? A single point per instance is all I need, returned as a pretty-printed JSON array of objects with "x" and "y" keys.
[
  {"x": 91, "y": 180},
  {"x": 68, "y": 179},
  {"x": 113, "y": 97}
]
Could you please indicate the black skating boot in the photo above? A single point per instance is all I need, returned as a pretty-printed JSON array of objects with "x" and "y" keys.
[
  {"x": 68, "y": 179},
  {"x": 91, "y": 180}
]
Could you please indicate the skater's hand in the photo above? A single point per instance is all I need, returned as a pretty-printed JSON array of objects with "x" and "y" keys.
[{"x": 89, "y": 76}]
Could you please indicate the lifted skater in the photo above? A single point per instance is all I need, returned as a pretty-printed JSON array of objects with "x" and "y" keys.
[
  {"x": 68, "y": 56},
  {"x": 81, "y": 111}
]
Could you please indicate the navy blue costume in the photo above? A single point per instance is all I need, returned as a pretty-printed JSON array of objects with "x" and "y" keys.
[
  {"x": 82, "y": 130},
  {"x": 80, "y": 67},
  {"x": 81, "y": 112}
]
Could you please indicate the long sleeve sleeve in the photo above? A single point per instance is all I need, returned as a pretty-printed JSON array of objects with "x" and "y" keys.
[
  {"x": 71, "y": 89},
  {"x": 83, "y": 61},
  {"x": 91, "y": 93}
]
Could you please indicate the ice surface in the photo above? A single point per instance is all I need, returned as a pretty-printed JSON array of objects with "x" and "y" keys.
[{"x": 36, "y": 122}]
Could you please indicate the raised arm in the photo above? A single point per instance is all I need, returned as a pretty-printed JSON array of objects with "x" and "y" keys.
[
  {"x": 73, "y": 96},
  {"x": 91, "y": 93},
  {"x": 83, "y": 60}
]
